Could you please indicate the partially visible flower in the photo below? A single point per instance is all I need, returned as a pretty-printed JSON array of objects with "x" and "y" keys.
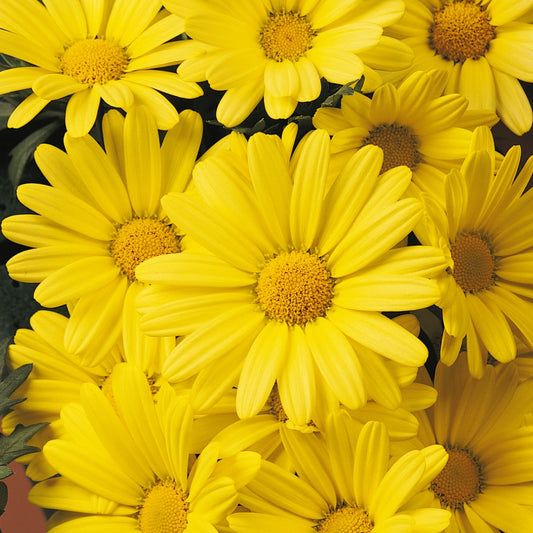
[
  {"x": 486, "y": 230},
  {"x": 392, "y": 398},
  {"x": 297, "y": 270},
  {"x": 344, "y": 482},
  {"x": 264, "y": 432},
  {"x": 485, "y": 46},
  {"x": 99, "y": 218},
  {"x": 413, "y": 124},
  {"x": 91, "y": 51},
  {"x": 482, "y": 424},
  {"x": 55, "y": 381},
  {"x": 126, "y": 465},
  {"x": 279, "y": 50}
]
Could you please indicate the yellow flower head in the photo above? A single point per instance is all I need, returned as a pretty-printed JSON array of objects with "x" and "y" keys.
[
  {"x": 300, "y": 269},
  {"x": 91, "y": 51},
  {"x": 127, "y": 466},
  {"x": 483, "y": 426},
  {"x": 98, "y": 219},
  {"x": 485, "y": 46},
  {"x": 58, "y": 375},
  {"x": 343, "y": 483},
  {"x": 486, "y": 230},
  {"x": 279, "y": 50},
  {"x": 414, "y": 125}
]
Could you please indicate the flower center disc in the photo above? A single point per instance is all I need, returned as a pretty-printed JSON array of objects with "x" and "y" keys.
[
  {"x": 346, "y": 519},
  {"x": 164, "y": 509},
  {"x": 398, "y": 143},
  {"x": 460, "y": 481},
  {"x": 139, "y": 239},
  {"x": 474, "y": 263},
  {"x": 295, "y": 287},
  {"x": 94, "y": 61},
  {"x": 461, "y": 30},
  {"x": 286, "y": 36}
]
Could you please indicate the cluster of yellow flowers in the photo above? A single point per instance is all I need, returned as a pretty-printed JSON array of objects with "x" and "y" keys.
[{"x": 241, "y": 352}]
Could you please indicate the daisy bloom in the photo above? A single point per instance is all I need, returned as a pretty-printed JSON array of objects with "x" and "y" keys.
[
  {"x": 295, "y": 273},
  {"x": 263, "y": 433},
  {"x": 413, "y": 124},
  {"x": 108, "y": 50},
  {"x": 485, "y": 46},
  {"x": 58, "y": 375},
  {"x": 486, "y": 230},
  {"x": 487, "y": 481},
  {"x": 126, "y": 466},
  {"x": 278, "y": 50},
  {"x": 98, "y": 219},
  {"x": 344, "y": 482}
]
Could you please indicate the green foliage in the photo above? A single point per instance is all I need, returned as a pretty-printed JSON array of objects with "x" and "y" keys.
[
  {"x": 22, "y": 153},
  {"x": 334, "y": 100},
  {"x": 14, "y": 445},
  {"x": 17, "y": 303}
]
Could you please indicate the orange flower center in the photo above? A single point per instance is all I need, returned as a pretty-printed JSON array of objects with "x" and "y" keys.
[
  {"x": 93, "y": 61},
  {"x": 473, "y": 262},
  {"x": 460, "y": 481},
  {"x": 461, "y": 30},
  {"x": 139, "y": 239},
  {"x": 294, "y": 287},
  {"x": 164, "y": 509},
  {"x": 346, "y": 519},
  {"x": 398, "y": 143},
  {"x": 286, "y": 35}
]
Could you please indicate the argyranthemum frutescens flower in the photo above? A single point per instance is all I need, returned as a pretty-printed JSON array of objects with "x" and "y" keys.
[
  {"x": 344, "y": 482},
  {"x": 413, "y": 124},
  {"x": 485, "y": 46},
  {"x": 126, "y": 464},
  {"x": 486, "y": 229},
  {"x": 58, "y": 375},
  {"x": 99, "y": 218},
  {"x": 398, "y": 393},
  {"x": 263, "y": 432},
  {"x": 295, "y": 273},
  {"x": 278, "y": 50},
  {"x": 487, "y": 481},
  {"x": 109, "y": 50}
]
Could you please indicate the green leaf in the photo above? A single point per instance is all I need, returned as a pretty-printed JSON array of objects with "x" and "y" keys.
[
  {"x": 349, "y": 88},
  {"x": 14, "y": 445},
  {"x": 3, "y": 498},
  {"x": 9, "y": 384},
  {"x": 23, "y": 152},
  {"x": 5, "y": 471},
  {"x": 4, "y": 344}
]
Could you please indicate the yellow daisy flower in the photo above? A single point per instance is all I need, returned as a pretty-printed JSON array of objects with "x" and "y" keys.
[
  {"x": 413, "y": 124},
  {"x": 263, "y": 433},
  {"x": 487, "y": 481},
  {"x": 99, "y": 218},
  {"x": 524, "y": 360},
  {"x": 343, "y": 483},
  {"x": 126, "y": 466},
  {"x": 278, "y": 50},
  {"x": 485, "y": 46},
  {"x": 58, "y": 375},
  {"x": 486, "y": 230},
  {"x": 296, "y": 271},
  {"x": 108, "y": 50}
]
